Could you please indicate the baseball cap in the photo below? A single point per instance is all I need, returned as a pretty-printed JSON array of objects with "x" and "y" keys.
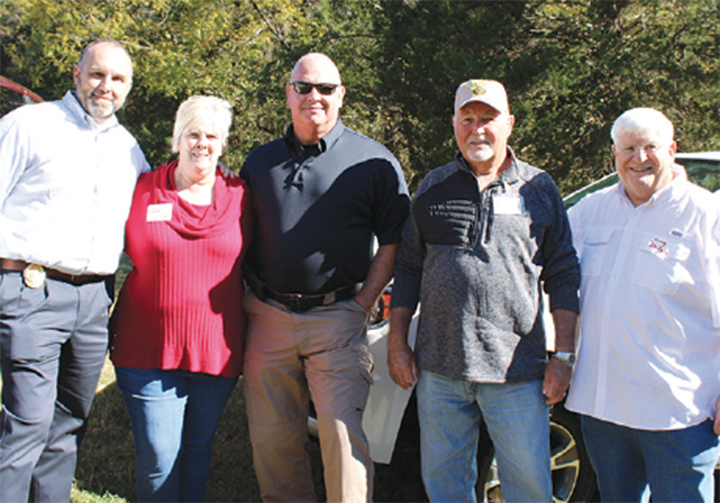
[{"x": 490, "y": 92}]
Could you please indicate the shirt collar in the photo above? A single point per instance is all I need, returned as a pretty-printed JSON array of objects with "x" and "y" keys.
[
  {"x": 75, "y": 108},
  {"x": 321, "y": 147},
  {"x": 507, "y": 177}
]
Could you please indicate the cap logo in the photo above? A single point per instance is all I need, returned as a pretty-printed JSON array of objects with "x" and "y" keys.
[{"x": 478, "y": 88}]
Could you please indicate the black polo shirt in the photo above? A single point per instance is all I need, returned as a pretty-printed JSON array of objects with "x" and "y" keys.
[{"x": 318, "y": 207}]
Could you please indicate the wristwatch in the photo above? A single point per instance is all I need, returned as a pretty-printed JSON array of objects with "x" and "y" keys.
[{"x": 565, "y": 357}]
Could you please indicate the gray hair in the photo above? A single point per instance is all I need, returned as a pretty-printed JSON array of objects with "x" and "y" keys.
[
  {"x": 637, "y": 120},
  {"x": 198, "y": 109}
]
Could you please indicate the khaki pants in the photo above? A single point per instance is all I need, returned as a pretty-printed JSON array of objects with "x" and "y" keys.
[{"x": 324, "y": 352}]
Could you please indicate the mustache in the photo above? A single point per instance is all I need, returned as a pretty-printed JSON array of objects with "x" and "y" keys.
[{"x": 478, "y": 138}]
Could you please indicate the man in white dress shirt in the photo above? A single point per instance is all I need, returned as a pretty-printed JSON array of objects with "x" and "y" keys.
[
  {"x": 647, "y": 378},
  {"x": 67, "y": 175}
]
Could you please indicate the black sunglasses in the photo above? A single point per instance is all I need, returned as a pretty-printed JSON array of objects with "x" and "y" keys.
[{"x": 306, "y": 87}]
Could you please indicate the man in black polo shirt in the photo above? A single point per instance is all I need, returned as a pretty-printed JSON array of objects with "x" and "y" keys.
[{"x": 320, "y": 194}]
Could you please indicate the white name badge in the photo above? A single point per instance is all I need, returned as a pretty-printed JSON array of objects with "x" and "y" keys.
[
  {"x": 508, "y": 205},
  {"x": 159, "y": 212}
]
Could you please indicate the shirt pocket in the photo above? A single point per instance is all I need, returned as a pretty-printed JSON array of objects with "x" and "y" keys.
[
  {"x": 662, "y": 263},
  {"x": 595, "y": 250}
]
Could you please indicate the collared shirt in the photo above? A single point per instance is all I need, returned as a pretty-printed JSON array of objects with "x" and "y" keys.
[
  {"x": 66, "y": 184},
  {"x": 476, "y": 259},
  {"x": 318, "y": 208},
  {"x": 649, "y": 354}
]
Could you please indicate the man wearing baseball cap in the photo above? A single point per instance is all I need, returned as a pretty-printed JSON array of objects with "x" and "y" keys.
[{"x": 485, "y": 232}]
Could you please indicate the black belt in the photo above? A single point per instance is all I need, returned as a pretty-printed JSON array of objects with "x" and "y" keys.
[{"x": 299, "y": 303}]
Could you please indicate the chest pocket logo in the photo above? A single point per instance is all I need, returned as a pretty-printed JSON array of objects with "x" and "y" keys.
[{"x": 661, "y": 263}]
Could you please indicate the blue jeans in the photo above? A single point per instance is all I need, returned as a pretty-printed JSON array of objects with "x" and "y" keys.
[
  {"x": 676, "y": 465},
  {"x": 517, "y": 420},
  {"x": 174, "y": 414}
]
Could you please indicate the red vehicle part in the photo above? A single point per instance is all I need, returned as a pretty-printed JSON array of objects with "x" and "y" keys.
[{"x": 5, "y": 82}]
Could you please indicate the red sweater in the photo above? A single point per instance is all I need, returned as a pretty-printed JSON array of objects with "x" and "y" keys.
[{"x": 181, "y": 305}]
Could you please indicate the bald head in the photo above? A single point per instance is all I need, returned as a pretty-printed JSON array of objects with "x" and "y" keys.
[{"x": 316, "y": 63}]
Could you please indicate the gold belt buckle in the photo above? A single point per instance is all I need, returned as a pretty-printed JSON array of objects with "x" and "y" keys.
[{"x": 34, "y": 275}]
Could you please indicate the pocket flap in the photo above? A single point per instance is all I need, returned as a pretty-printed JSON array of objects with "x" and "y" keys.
[{"x": 598, "y": 235}]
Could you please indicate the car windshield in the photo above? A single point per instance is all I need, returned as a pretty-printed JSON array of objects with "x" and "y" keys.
[{"x": 704, "y": 173}]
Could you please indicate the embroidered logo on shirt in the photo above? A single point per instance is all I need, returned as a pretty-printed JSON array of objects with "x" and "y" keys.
[
  {"x": 658, "y": 247},
  {"x": 666, "y": 247},
  {"x": 159, "y": 212}
]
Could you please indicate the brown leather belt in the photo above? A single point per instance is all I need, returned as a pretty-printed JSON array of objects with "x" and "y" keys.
[{"x": 7, "y": 264}]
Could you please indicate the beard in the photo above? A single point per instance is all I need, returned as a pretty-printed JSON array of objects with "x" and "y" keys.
[
  {"x": 479, "y": 155},
  {"x": 98, "y": 109}
]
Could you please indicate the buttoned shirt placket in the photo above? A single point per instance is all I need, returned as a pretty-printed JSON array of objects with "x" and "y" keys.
[{"x": 613, "y": 290}]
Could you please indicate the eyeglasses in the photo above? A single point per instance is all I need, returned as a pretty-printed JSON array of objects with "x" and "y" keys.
[{"x": 306, "y": 87}]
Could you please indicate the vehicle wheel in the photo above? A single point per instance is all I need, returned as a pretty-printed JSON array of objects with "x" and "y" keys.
[{"x": 572, "y": 476}]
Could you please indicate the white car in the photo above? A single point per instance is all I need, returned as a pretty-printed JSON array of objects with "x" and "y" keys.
[{"x": 573, "y": 478}]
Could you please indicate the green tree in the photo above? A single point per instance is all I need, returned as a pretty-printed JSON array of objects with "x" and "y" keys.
[
  {"x": 428, "y": 49},
  {"x": 570, "y": 67},
  {"x": 602, "y": 58},
  {"x": 180, "y": 48}
]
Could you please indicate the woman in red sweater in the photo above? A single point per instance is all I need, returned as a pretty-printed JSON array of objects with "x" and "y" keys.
[{"x": 178, "y": 327}]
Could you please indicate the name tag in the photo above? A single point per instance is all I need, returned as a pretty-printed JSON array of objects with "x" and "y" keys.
[
  {"x": 159, "y": 212},
  {"x": 508, "y": 205}
]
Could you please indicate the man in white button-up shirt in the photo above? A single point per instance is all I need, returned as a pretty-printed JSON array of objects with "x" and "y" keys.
[
  {"x": 647, "y": 378},
  {"x": 67, "y": 175}
]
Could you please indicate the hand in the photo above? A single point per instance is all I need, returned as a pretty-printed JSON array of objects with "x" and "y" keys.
[
  {"x": 402, "y": 365},
  {"x": 359, "y": 298},
  {"x": 557, "y": 380},
  {"x": 716, "y": 428}
]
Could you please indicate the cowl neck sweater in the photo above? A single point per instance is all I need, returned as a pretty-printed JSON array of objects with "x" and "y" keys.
[
  {"x": 196, "y": 221},
  {"x": 181, "y": 305}
]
